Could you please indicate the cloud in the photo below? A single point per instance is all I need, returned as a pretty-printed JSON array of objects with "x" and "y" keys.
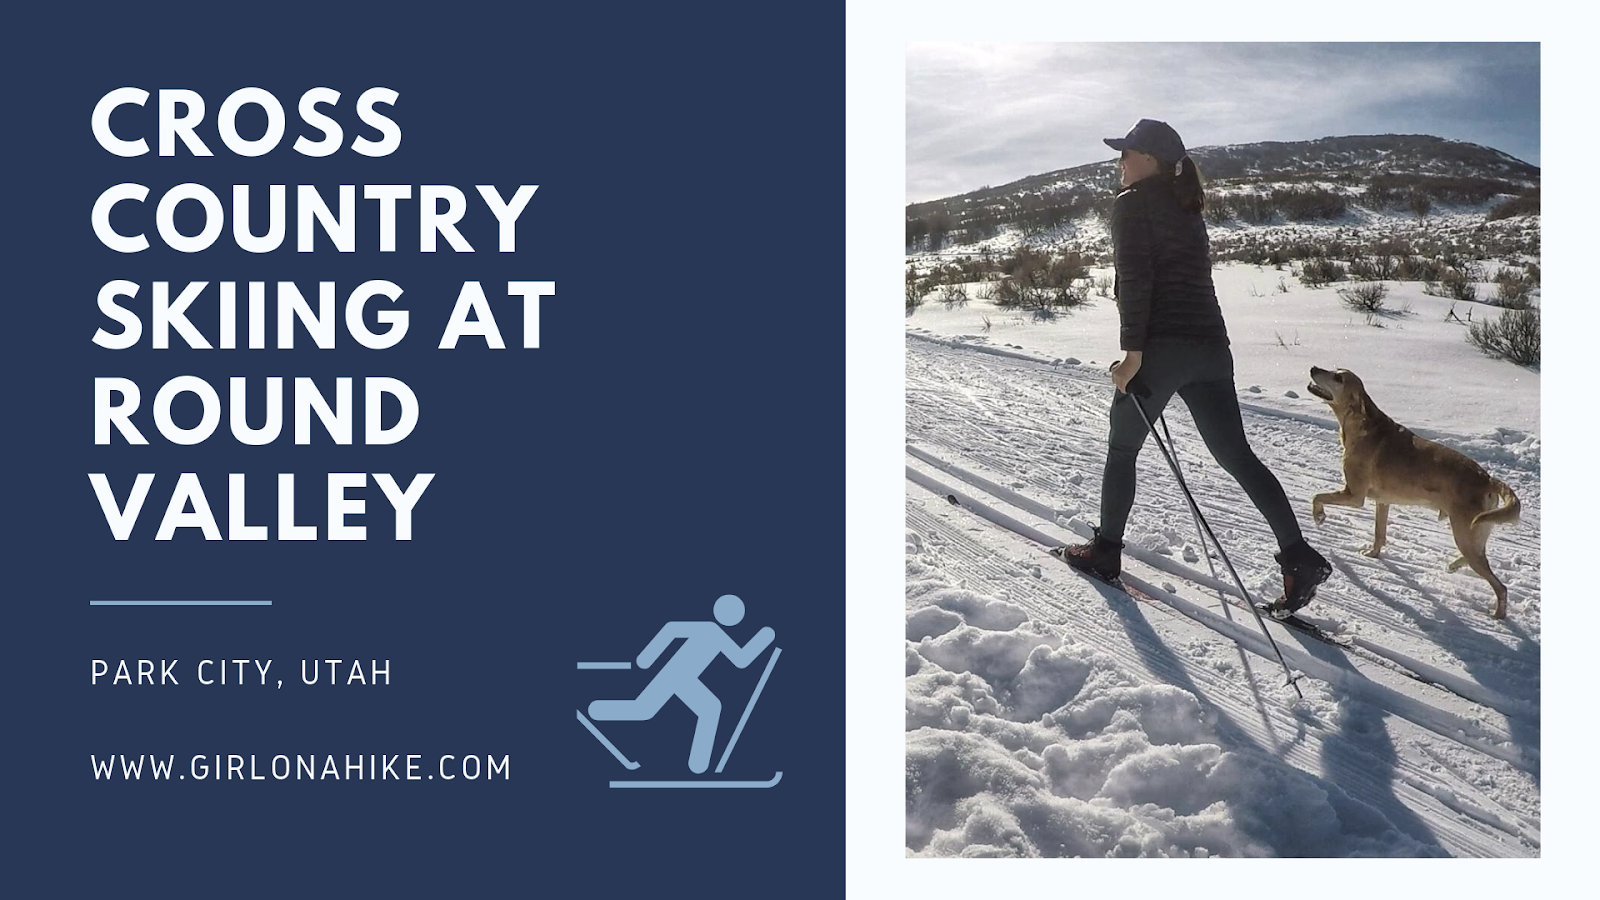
[{"x": 990, "y": 113}]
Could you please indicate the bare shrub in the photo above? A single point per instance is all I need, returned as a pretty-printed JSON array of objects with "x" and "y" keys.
[
  {"x": 1383, "y": 266},
  {"x": 1513, "y": 336},
  {"x": 1070, "y": 295},
  {"x": 1363, "y": 270},
  {"x": 1515, "y": 294},
  {"x": 953, "y": 296},
  {"x": 1418, "y": 268},
  {"x": 914, "y": 291},
  {"x": 1366, "y": 296},
  {"x": 1524, "y": 204},
  {"x": 1102, "y": 286},
  {"x": 1007, "y": 292},
  {"x": 1068, "y": 267},
  {"x": 1458, "y": 285},
  {"x": 1318, "y": 272},
  {"x": 1037, "y": 281}
]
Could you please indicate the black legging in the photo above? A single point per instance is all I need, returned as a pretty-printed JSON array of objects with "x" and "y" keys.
[{"x": 1202, "y": 374}]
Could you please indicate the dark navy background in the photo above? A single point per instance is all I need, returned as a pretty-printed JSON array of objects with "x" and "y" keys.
[{"x": 678, "y": 436}]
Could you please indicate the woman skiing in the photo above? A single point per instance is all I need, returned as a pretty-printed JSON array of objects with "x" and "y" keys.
[{"x": 1175, "y": 342}]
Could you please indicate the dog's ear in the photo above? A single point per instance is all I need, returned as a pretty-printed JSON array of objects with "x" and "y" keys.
[{"x": 1362, "y": 401}]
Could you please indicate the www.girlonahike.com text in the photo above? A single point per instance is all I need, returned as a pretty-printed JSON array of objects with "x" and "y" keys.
[{"x": 328, "y": 767}]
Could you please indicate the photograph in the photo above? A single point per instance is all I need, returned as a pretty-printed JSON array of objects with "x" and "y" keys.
[{"x": 1222, "y": 450}]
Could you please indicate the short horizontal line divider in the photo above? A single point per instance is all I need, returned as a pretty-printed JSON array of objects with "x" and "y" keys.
[{"x": 180, "y": 602}]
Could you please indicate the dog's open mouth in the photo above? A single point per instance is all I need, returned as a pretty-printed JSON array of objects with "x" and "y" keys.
[{"x": 1317, "y": 390}]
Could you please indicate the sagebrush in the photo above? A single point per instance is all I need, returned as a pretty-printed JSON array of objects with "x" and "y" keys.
[
  {"x": 1365, "y": 296},
  {"x": 1513, "y": 336}
]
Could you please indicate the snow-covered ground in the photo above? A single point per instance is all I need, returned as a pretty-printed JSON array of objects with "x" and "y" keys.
[
  {"x": 1417, "y": 365},
  {"x": 1049, "y": 715}
]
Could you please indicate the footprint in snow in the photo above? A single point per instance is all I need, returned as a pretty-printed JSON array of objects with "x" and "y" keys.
[
  {"x": 1254, "y": 389},
  {"x": 1291, "y": 395},
  {"x": 1071, "y": 361}
]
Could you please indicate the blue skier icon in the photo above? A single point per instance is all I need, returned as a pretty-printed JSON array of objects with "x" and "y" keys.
[{"x": 680, "y": 677}]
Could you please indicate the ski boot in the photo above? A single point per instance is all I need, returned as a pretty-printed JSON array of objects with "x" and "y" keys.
[
  {"x": 1100, "y": 558},
  {"x": 1303, "y": 569}
]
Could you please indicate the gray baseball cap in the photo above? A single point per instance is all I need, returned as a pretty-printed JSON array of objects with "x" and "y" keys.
[{"x": 1152, "y": 137}]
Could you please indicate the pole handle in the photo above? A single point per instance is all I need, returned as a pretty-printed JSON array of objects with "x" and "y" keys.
[{"x": 1135, "y": 387}]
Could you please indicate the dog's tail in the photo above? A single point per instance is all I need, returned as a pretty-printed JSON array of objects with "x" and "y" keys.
[{"x": 1510, "y": 512}]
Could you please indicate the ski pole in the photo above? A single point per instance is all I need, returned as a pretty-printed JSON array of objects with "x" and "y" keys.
[
  {"x": 747, "y": 707},
  {"x": 1194, "y": 508}
]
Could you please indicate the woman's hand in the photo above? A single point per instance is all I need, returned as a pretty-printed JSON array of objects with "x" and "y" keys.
[{"x": 1122, "y": 372}]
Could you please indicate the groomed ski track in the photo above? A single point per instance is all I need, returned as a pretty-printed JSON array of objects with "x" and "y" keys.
[{"x": 1454, "y": 763}]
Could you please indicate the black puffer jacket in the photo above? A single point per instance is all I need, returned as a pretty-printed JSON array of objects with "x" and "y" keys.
[{"x": 1163, "y": 260}]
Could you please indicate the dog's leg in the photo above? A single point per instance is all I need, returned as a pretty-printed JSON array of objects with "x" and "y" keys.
[
  {"x": 1471, "y": 542},
  {"x": 1342, "y": 497},
  {"x": 1455, "y": 564},
  {"x": 1380, "y": 532}
]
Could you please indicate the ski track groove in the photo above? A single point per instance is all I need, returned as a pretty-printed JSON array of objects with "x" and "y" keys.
[
  {"x": 1409, "y": 706},
  {"x": 1230, "y": 513},
  {"x": 1386, "y": 617},
  {"x": 1266, "y": 724},
  {"x": 1528, "y": 823},
  {"x": 1381, "y": 653},
  {"x": 1039, "y": 424}
]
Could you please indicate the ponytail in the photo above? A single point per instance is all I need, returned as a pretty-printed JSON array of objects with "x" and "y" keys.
[{"x": 1186, "y": 187}]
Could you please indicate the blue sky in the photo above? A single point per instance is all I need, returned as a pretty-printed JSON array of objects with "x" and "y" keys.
[{"x": 980, "y": 114}]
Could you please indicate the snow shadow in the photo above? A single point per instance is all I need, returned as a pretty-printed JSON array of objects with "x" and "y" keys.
[
  {"x": 1353, "y": 748},
  {"x": 1361, "y": 744},
  {"x": 1484, "y": 668},
  {"x": 1164, "y": 664}
]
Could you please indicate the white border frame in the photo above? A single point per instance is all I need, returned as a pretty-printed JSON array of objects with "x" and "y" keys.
[{"x": 875, "y": 415}]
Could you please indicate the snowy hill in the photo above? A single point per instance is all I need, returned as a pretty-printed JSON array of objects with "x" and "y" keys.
[
  {"x": 1049, "y": 715},
  {"x": 1270, "y": 190}
]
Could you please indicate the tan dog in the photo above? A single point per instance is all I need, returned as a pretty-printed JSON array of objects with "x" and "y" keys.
[{"x": 1387, "y": 462}]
